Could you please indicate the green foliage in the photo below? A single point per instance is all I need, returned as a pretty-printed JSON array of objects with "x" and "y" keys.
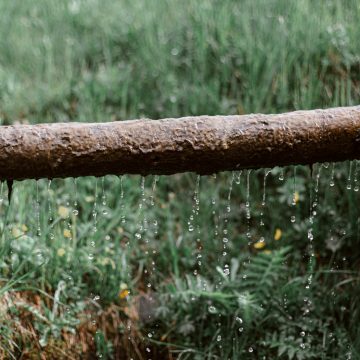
[{"x": 104, "y": 243}]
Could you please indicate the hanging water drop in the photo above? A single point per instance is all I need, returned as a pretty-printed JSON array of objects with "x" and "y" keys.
[
  {"x": 75, "y": 210},
  {"x": 294, "y": 197},
  {"x": 1, "y": 193},
  {"x": 263, "y": 202},
  {"x": 38, "y": 230},
  {"x": 122, "y": 205},
  {"x": 356, "y": 185},
  {"x": 332, "y": 182},
  {"x": 348, "y": 185},
  {"x": 212, "y": 309},
  {"x": 281, "y": 176},
  {"x": 238, "y": 177},
  {"x": 247, "y": 203},
  {"x": 103, "y": 197}
]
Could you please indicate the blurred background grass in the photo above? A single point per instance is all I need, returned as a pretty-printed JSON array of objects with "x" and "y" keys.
[{"x": 77, "y": 257}]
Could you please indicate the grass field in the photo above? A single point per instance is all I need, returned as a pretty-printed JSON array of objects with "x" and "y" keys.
[{"x": 174, "y": 267}]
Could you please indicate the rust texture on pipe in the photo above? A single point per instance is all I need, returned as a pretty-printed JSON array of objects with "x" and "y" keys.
[{"x": 203, "y": 144}]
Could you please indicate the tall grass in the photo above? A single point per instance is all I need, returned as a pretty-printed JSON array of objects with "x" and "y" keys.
[{"x": 76, "y": 276}]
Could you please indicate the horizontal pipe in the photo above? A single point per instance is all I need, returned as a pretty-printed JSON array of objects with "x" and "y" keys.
[{"x": 202, "y": 144}]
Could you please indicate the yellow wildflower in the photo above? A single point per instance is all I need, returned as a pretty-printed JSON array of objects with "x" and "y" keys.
[
  {"x": 278, "y": 234},
  {"x": 16, "y": 232},
  {"x": 124, "y": 293},
  {"x": 61, "y": 252},
  {"x": 63, "y": 212},
  {"x": 267, "y": 252},
  {"x": 120, "y": 230},
  {"x": 24, "y": 228},
  {"x": 296, "y": 197},
  {"x": 67, "y": 233},
  {"x": 259, "y": 244}
]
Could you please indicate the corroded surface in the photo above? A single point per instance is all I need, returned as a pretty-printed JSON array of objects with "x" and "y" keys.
[{"x": 204, "y": 144}]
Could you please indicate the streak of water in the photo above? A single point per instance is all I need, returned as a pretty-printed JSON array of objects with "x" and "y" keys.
[
  {"x": 294, "y": 197},
  {"x": 194, "y": 224},
  {"x": 263, "y": 203},
  {"x": 247, "y": 206},
  {"x": 139, "y": 227},
  {"x": 50, "y": 210},
  {"x": 152, "y": 202},
  {"x": 75, "y": 205},
  {"x": 38, "y": 229},
  {"x": 225, "y": 240},
  {"x": 281, "y": 176},
  {"x": 152, "y": 267},
  {"x": 94, "y": 215},
  {"x": 348, "y": 185},
  {"x": 103, "y": 197},
  {"x": 356, "y": 185},
  {"x": 122, "y": 204},
  {"x": 332, "y": 182},
  {"x": 195, "y": 209},
  {"x": 1, "y": 193}
]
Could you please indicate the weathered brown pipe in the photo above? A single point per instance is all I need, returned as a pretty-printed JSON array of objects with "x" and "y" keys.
[{"x": 204, "y": 144}]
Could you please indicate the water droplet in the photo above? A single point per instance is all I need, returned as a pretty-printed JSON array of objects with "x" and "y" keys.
[
  {"x": 332, "y": 182},
  {"x": 212, "y": 309},
  {"x": 251, "y": 349},
  {"x": 348, "y": 185},
  {"x": 293, "y": 218},
  {"x": 150, "y": 335},
  {"x": 218, "y": 338},
  {"x": 302, "y": 333},
  {"x": 281, "y": 176},
  {"x": 239, "y": 320},
  {"x": 238, "y": 178}
]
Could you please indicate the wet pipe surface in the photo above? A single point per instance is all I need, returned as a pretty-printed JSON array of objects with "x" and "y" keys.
[{"x": 202, "y": 144}]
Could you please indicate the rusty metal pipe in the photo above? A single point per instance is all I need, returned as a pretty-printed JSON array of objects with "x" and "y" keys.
[{"x": 203, "y": 144}]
